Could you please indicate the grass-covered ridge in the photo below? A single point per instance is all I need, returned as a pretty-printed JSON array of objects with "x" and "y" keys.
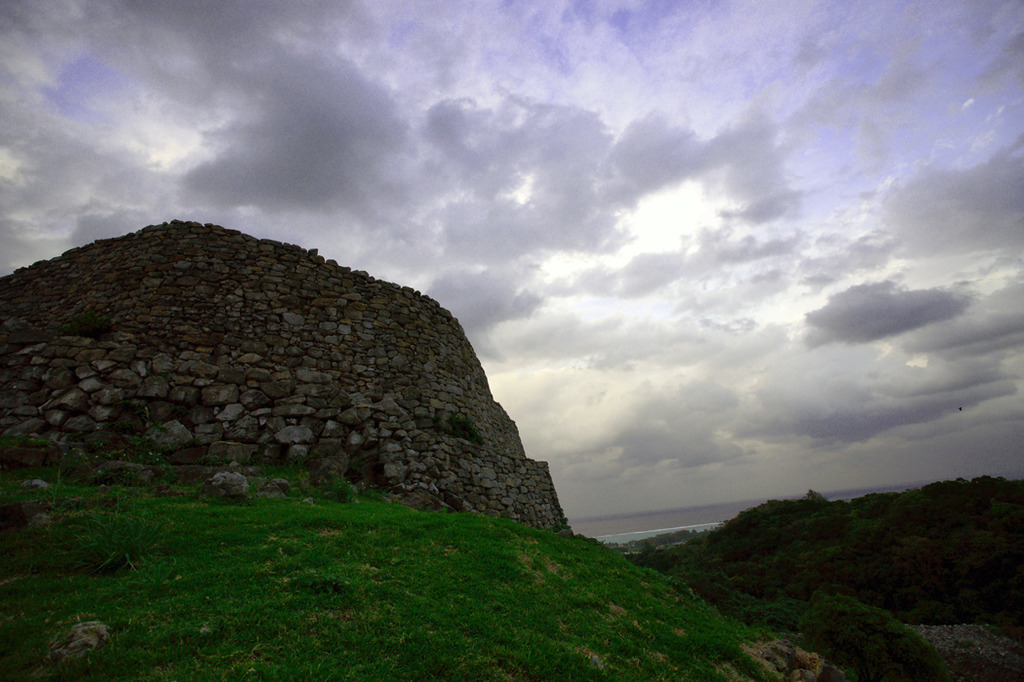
[{"x": 283, "y": 589}]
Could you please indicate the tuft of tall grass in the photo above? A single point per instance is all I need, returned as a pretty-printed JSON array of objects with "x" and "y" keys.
[{"x": 110, "y": 543}]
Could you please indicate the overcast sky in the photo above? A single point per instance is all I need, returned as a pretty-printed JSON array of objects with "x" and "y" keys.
[{"x": 706, "y": 251}]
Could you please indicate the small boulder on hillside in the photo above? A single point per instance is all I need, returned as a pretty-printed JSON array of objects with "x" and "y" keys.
[
  {"x": 227, "y": 484},
  {"x": 35, "y": 483},
  {"x": 18, "y": 515},
  {"x": 80, "y": 639},
  {"x": 278, "y": 487}
]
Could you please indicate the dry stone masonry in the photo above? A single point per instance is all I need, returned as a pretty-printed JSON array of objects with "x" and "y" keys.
[{"x": 226, "y": 348}]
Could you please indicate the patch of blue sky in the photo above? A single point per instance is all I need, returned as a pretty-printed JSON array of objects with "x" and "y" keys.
[
  {"x": 83, "y": 88},
  {"x": 636, "y": 27}
]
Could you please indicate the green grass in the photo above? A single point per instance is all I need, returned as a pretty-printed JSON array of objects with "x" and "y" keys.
[{"x": 282, "y": 590}]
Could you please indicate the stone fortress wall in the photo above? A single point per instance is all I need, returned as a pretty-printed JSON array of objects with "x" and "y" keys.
[{"x": 251, "y": 350}]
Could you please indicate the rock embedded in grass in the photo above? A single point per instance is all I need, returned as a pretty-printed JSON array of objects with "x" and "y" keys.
[
  {"x": 226, "y": 484},
  {"x": 80, "y": 640},
  {"x": 277, "y": 488}
]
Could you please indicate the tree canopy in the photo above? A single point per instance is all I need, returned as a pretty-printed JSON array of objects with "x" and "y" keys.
[{"x": 949, "y": 552}]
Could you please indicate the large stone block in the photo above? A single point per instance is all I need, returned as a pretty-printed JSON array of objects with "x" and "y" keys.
[
  {"x": 291, "y": 435},
  {"x": 172, "y": 434},
  {"x": 227, "y": 451},
  {"x": 220, "y": 394}
]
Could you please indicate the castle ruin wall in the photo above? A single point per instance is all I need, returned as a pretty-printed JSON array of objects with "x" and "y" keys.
[{"x": 259, "y": 351}]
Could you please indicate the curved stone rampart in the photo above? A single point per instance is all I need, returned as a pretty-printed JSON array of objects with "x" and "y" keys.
[{"x": 261, "y": 351}]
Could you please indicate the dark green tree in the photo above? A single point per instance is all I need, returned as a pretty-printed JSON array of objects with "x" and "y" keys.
[{"x": 868, "y": 640}]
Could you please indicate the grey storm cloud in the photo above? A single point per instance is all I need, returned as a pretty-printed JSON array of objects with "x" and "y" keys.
[
  {"x": 978, "y": 208},
  {"x": 868, "y": 312},
  {"x": 652, "y": 153},
  {"x": 220, "y": 33},
  {"x": 919, "y": 402},
  {"x": 748, "y": 248},
  {"x": 992, "y": 327},
  {"x": 483, "y": 299},
  {"x": 311, "y": 137},
  {"x": 858, "y": 423},
  {"x": 609, "y": 342},
  {"x": 646, "y": 273},
  {"x": 995, "y": 333},
  {"x": 803, "y": 393},
  {"x": 1008, "y": 62},
  {"x": 754, "y": 170},
  {"x": 578, "y": 176},
  {"x": 521, "y": 177},
  {"x": 677, "y": 427},
  {"x": 837, "y": 255}
]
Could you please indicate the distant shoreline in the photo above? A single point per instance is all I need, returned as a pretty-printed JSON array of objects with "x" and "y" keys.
[
  {"x": 667, "y": 520},
  {"x": 619, "y": 538}
]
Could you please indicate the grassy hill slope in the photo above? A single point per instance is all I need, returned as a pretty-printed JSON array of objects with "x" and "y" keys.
[{"x": 283, "y": 589}]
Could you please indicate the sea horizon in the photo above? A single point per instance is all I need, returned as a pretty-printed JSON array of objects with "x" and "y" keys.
[{"x": 637, "y": 526}]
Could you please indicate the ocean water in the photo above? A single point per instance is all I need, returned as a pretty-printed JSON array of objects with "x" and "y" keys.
[
  {"x": 618, "y": 538},
  {"x": 626, "y": 527}
]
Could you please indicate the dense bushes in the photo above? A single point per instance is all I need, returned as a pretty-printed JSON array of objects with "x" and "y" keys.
[
  {"x": 869, "y": 641},
  {"x": 950, "y": 552}
]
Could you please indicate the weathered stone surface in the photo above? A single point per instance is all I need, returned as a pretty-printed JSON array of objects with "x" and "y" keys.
[
  {"x": 172, "y": 434},
  {"x": 80, "y": 423},
  {"x": 220, "y": 394},
  {"x": 973, "y": 652},
  {"x": 227, "y": 451},
  {"x": 80, "y": 640},
  {"x": 193, "y": 455},
  {"x": 74, "y": 400},
  {"x": 26, "y": 427},
  {"x": 254, "y": 399},
  {"x": 154, "y": 387},
  {"x": 201, "y": 472},
  {"x": 226, "y": 484},
  {"x": 278, "y": 487},
  {"x": 291, "y": 435},
  {"x": 184, "y": 395},
  {"x": 313, "y": 362},
  {"x": 231, "y": 412},
  {"x": 14, "y": 457},
  {"x": 355, "y": 416},
  {"x": 21, "y": 514},
  {"x": 27, "y": 336},
  {"x": 308, "y": 376}
]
